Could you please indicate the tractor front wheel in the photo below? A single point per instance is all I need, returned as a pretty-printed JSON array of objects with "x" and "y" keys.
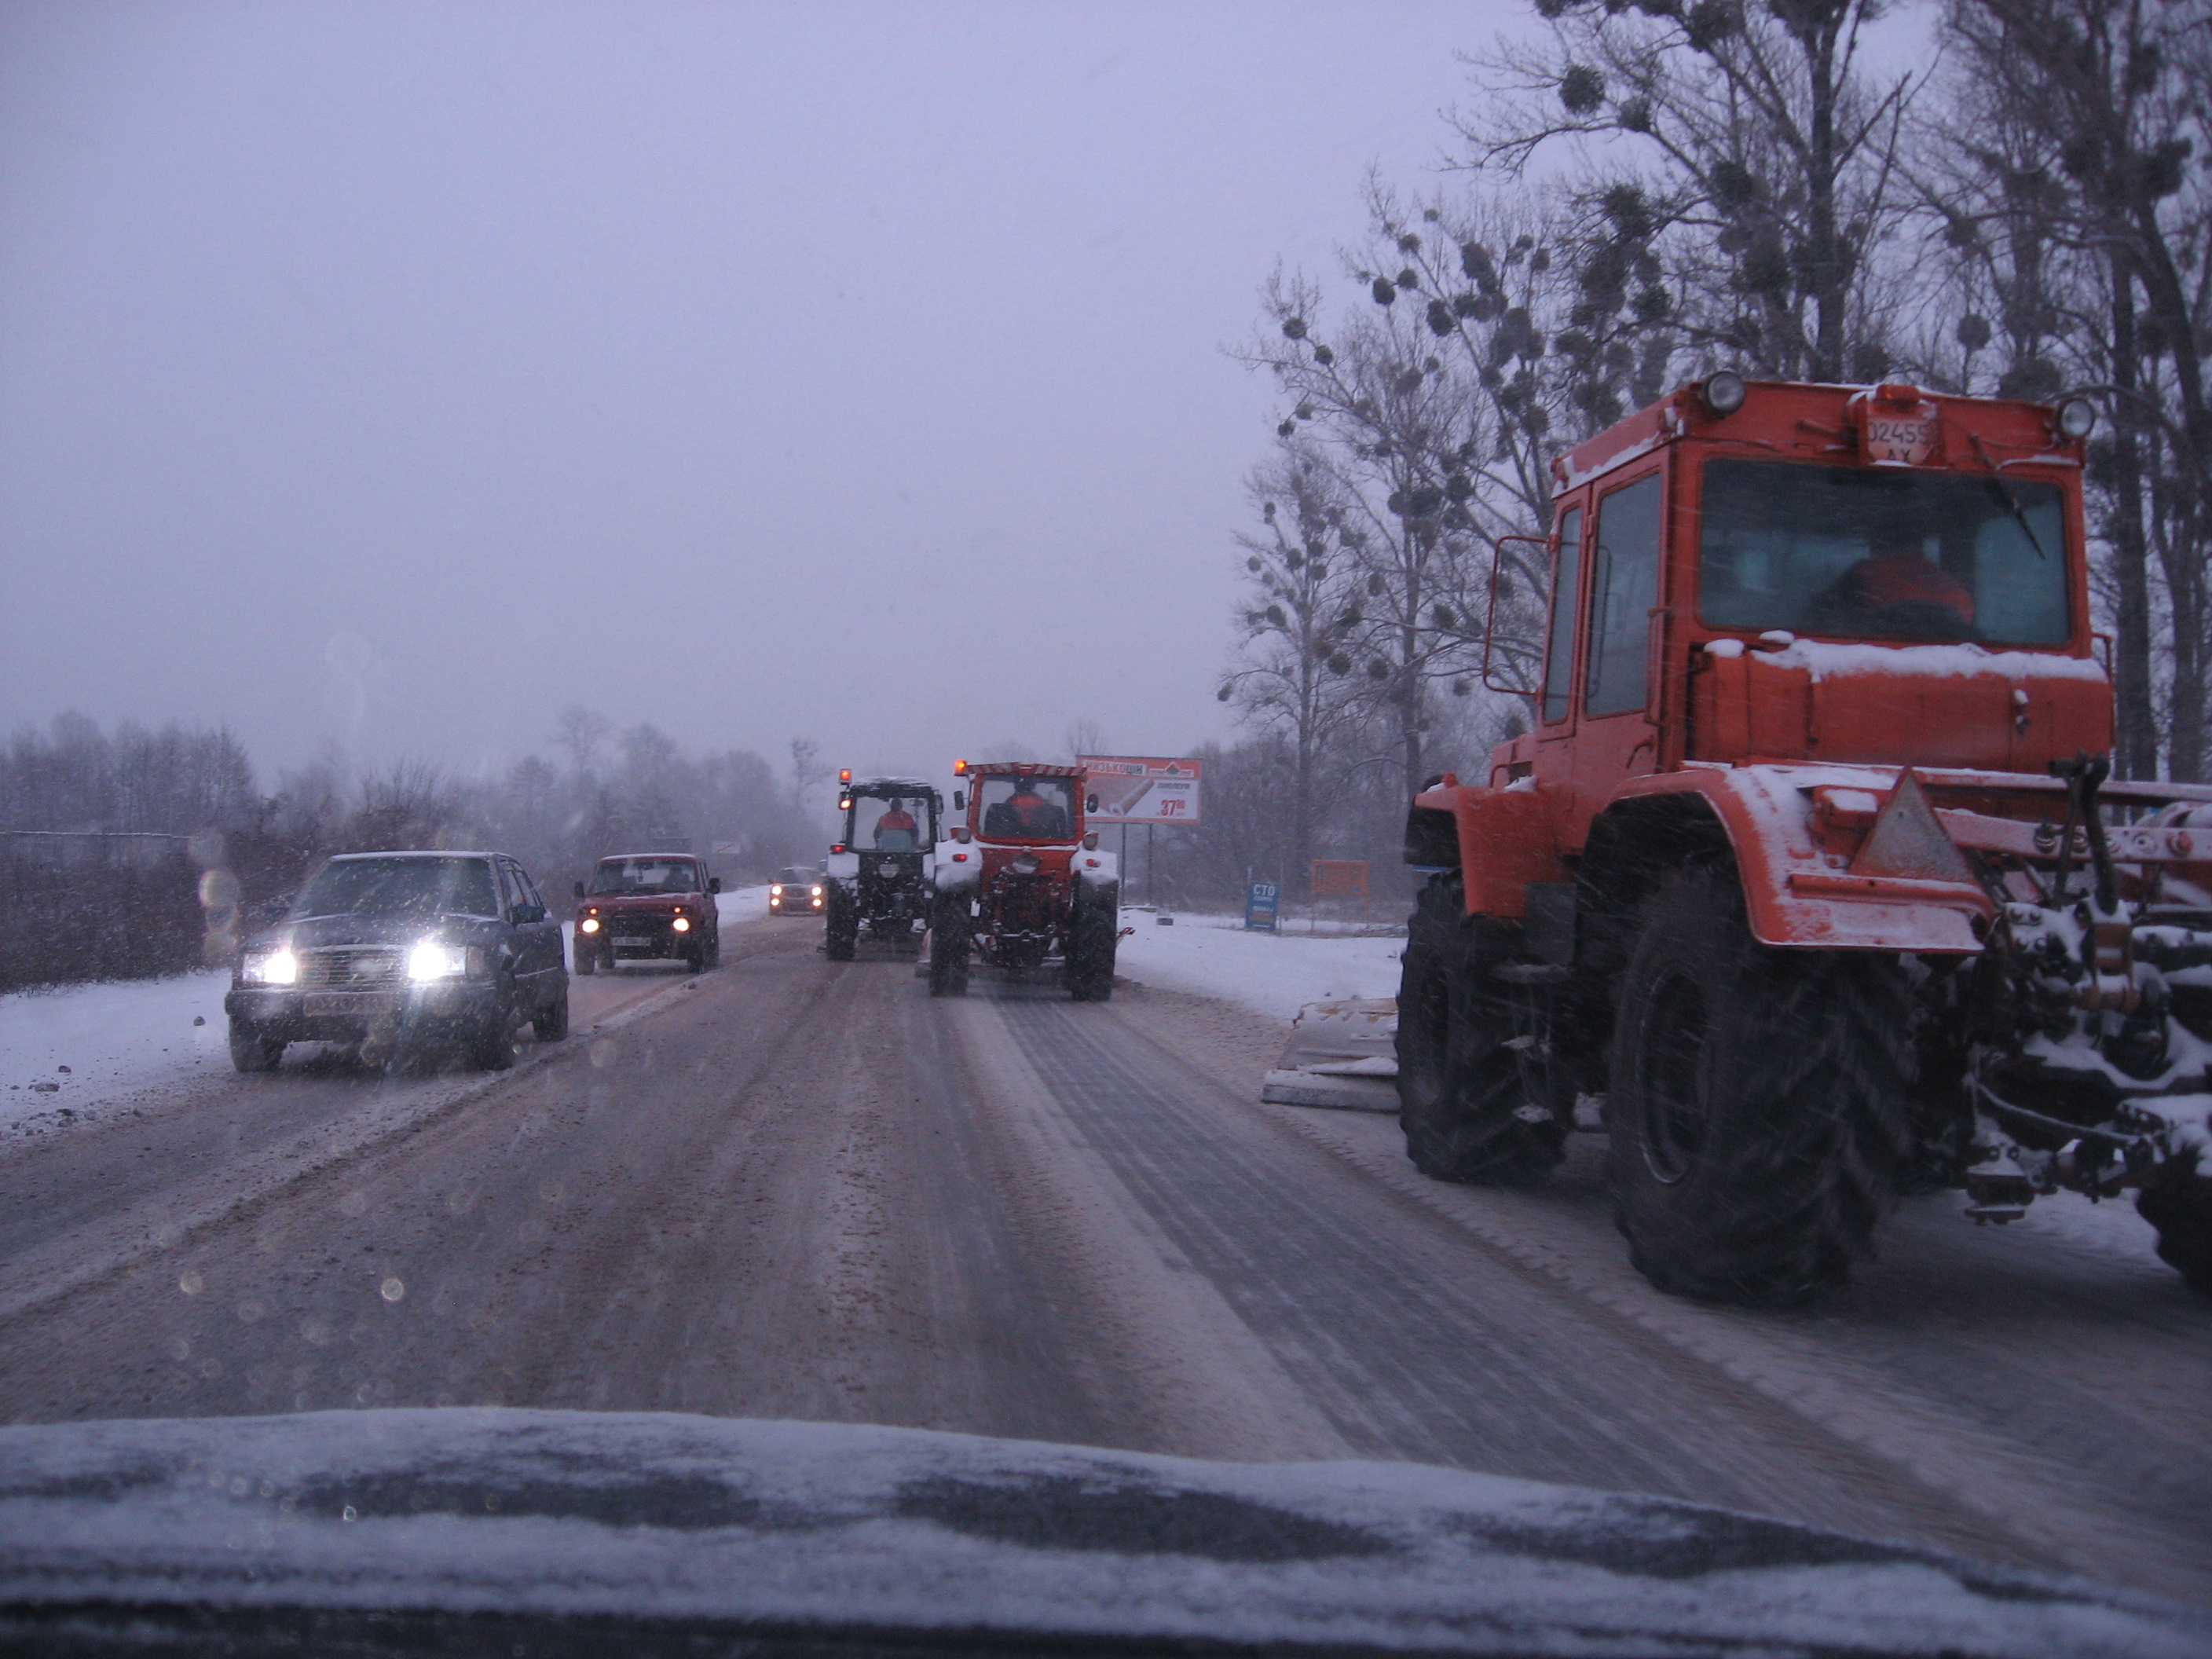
[
  {"x": 1759, "y": 1108},
  {"x": 1463, "y": 1096}
]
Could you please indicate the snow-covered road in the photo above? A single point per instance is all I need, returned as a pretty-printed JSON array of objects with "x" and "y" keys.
[{"x": 803, "y": 1189}]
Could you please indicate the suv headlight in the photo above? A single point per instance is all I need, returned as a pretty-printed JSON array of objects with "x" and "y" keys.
[
  {"x": 277, "y": 967},
  {"x": 435, "y": 959}
]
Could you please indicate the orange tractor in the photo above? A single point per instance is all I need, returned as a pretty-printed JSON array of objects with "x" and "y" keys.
[
  {"x": 1809, "y": 886},
  {"x": 1021, "y": 885}
]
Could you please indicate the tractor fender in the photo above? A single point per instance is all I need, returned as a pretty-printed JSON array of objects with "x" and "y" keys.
[
  {"x": 1506, "y": 838},
  {"x": 1096, "y": 870},
  {"x": 1796, "y": 892},
  {"x": 843, "y": 866},
  {"x": 958, "y": 865}
]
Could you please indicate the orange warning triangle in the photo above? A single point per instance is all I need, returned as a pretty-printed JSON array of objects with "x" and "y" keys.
[{"x": 1908, "y": 839}]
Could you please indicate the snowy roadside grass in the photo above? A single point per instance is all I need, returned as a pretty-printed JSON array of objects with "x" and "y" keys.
[
  {"x": 114, "y": 1038},
  {"x": 1273, "y": 973}
]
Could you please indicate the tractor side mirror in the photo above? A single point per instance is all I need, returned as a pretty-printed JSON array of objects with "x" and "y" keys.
[
  {"x": 1514, "y": 660},
  {"x": 580, "y": 889},
  {"x": 960, "y": 800},
  {"x": 714, "y": 884},
  {"x": 1090, "y": 802}
]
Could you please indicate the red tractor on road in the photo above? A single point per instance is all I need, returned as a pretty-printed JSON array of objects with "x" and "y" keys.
[
  {"x": 1809, "y": 886},
  {"x": 1021, "y": 885}
]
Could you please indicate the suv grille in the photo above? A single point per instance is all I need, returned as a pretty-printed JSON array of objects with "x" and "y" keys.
[{"x": 372, "y": 968}]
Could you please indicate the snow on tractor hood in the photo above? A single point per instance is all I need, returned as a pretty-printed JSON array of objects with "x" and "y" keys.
[
  {"x": 1831, "y": 659},
  {"x": 386, "y": 1527}
]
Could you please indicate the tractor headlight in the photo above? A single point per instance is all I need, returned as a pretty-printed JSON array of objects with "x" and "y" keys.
[
  {"x": 1722, "y": 392},
  {"x": 435, "y": 959},
  {"x": 277, "y": 967},
  {"x": 2077, "y": 419}
]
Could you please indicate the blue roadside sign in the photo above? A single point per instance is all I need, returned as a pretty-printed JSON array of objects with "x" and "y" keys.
[{"x": 1259, "y": 897}]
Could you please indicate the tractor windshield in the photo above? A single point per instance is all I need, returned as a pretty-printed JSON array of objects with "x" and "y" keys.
[
  {"x": 1856, "y": 553},
  {"x": 1027, "y": 809}
]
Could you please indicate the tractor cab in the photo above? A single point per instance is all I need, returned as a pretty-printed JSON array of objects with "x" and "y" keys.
[{"x": 1769, "y": 572}]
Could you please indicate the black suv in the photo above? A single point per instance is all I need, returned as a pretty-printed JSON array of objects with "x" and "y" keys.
[{"x": 391, "y": 953}]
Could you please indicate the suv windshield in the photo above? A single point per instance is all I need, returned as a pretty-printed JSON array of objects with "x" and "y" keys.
[
  {"x": 646, "y": 876},
  {"x": 1864, "y": 553},
  {"x": 1027, "y": 808},
  {"x": 408, "y": 886}
]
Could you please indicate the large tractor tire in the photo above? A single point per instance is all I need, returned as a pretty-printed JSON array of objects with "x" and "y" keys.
[
  {"x": 2179, "y": 1204},
  {"x": 1760, "y": 1106},
  {"x": 842, "y": 922},
  {"x": 1093, "y": 943},
  {"x": 948, "y": 948},
  {"x": 1464, "y": 1099}
]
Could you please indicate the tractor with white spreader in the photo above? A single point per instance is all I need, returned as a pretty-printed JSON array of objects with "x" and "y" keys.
[{"x": 1023, "y": 887}]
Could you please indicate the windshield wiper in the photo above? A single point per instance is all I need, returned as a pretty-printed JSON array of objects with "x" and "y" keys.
[{"x": 2007, "y": 499}]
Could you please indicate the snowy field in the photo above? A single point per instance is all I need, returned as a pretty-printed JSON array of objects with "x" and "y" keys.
[
  {"x": 65, "y": 1050},
  {"x": 1271, "y": 974}
]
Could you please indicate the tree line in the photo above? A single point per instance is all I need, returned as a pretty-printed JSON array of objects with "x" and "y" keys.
[
  {"x": 1659, "y": 189},
  {"x": 604, "y": 791}
]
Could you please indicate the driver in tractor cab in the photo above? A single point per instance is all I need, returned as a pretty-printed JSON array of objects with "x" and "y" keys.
[
  {"x": 1897, "y": 590},
  {"x": 1025, "y": 812},
  {"x": 894, "y": 830}
]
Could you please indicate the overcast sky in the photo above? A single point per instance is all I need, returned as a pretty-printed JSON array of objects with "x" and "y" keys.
[{"x": 395, "y": 373}]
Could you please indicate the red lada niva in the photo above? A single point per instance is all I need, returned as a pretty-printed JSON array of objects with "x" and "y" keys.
[{"x": 648, "y": 907}]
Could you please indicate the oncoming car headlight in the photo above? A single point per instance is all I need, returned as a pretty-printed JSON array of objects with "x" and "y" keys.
[
  {"x": 435, "y": 959},
  {"x": 278, "y": 967},
  {"x": 818, "y": 892},
  {"x": 681, "y": 925},
  {"x": 776, "y": 890},
  {"x": 588, "y": 925}
]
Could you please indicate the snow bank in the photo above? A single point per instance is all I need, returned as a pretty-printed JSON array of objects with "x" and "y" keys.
[
  {"x": 114, "y": 1038},
  {"x": 117, "y": 1038},
  {"x": 1273, "y": 973},
  {"x": 963, "y": 1542}
]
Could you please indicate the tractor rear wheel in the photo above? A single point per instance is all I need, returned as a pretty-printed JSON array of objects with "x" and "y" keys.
[
  {"x": 1463, "y": 1098},
  {"x": 2179, "y": 1205},
  {"x": 843, "y": 924},
  {"x": 1090, "y": 950},
  {"x": 1759, "y": 1107},
  {"x": 948, "y": 948}
]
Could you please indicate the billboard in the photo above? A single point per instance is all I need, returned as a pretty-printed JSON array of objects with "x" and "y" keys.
[{"x": 1142, "y": 789}]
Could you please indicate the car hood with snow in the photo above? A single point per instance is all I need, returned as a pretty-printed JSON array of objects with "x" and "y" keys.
[{"x": 399, "y": 1531}]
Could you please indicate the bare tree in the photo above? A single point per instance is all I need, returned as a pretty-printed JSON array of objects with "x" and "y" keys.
[
  {"x": 1762, "y": 161},
  {"x": 579, "y": 732},
  {"x": 2077, "y": 136}
]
